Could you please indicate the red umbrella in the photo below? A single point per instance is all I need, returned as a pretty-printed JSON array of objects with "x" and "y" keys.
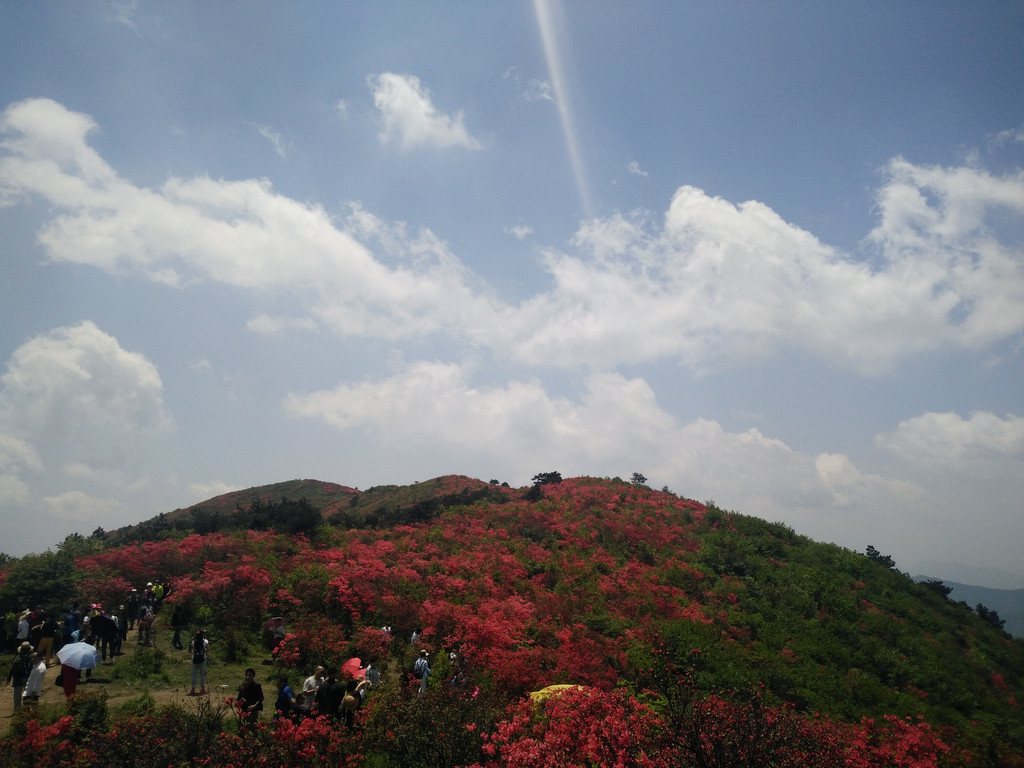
[{"x": 352, "y": 667}]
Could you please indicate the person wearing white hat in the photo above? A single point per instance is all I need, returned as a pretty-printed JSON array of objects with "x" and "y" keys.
[{"x": 19, "y": 672}]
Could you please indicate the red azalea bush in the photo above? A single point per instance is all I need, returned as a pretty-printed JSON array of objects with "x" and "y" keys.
[
  {"x": 313, "y": 641},
  {"x": 581, "y": 727}
]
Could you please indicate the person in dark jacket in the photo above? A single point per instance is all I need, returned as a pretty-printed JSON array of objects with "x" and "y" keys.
[
  {"x": 329, "y": 695},
  {"x": 20, "y": 669},
  {"x": 250, "y": 699}
]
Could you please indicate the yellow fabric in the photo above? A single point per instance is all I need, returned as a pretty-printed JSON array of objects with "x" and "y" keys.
[{"x": 552, "y": 690}]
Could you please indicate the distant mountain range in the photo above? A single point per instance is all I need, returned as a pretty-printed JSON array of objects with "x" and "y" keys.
[{"x": 1008, "y": 603}]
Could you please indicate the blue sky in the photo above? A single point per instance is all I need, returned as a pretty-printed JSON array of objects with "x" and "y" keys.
[{"x": 767, "y": 254}]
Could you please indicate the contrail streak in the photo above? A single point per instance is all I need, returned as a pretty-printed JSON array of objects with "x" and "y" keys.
[{"x": 549, "y": 39}]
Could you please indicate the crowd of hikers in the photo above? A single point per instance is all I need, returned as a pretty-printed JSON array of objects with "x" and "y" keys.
[{"x": 36, "y": 638}]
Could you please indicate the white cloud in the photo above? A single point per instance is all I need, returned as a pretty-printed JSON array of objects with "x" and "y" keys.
[
  {"x": 520, "y": 231},
  {"x": 615, "y": 426},
  {"x": 16, "y": 458},
  {"x": 82, "y": 509},
  {"x": 538, "y": 90},
  {"x": 277, "y": 141},
  {"x": 936, "y": 234},
  {"x": 13, "y": 489},
  {"x": 79, "y": 376},
  {"x": 409, "y": 117},
  {"x": 17, "y": 455},
  {"x": 124, "y": 11},
  {"x": 1011, "y": 135},
  {"x": 849, "y": 486},
  {"x": 272, "y": 325},
  {"x": 204, "y": 491},
  {"x": 636, "y": 170},
  {"x": 75, "y": 392},
  {"x": 520, "y": 424},
  {"x": 201, "y": 365},
  {"x": 239, "y": 233},
  {"x": 727, "y": 284},
  {"x": 108, "y": 476},
  {"x": 714, "y": 284},
  {"x": 950, "y": 440}
]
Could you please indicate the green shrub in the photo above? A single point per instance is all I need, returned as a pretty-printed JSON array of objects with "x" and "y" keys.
[
  {"x": 236, "y": 644},
  {"x": 145, "y": 665},
  {"x": 142, "y": 705}
]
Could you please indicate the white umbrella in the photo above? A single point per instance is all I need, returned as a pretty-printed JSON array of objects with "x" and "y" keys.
[{"x": 79, "y": 656}]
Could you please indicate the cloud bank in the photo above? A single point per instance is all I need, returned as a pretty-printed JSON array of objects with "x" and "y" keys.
[{"x": 713, "y": 285}]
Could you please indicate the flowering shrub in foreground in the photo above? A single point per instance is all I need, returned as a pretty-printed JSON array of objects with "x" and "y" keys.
[
  {"x": 176, "y": 736},
  {"x": 581, "y": 727},
  {"x": 585, "y": 727}
]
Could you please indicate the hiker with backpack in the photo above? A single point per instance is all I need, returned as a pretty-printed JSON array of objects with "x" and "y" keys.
[
  {"x": 421, "y": 670},
  {"x": 199, "y": 647}
]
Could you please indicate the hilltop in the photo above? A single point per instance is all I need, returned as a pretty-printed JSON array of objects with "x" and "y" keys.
[
  {"x": 300, "y": 505},
  {"x": 595, "y": 582}
]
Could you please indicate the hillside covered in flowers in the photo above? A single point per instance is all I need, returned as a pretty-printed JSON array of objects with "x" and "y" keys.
[{"x": 694, "y": 636}]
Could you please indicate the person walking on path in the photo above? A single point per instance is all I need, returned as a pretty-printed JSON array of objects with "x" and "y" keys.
[
  {"x": 19, "y": 672},
  {"x": 199, "y": 647},
  {"x": 68, "y": 679},
  {"x": 47, "y": 634},
  {"x": 178, "y": 624},
  {"x": 421, "y": 669}
]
